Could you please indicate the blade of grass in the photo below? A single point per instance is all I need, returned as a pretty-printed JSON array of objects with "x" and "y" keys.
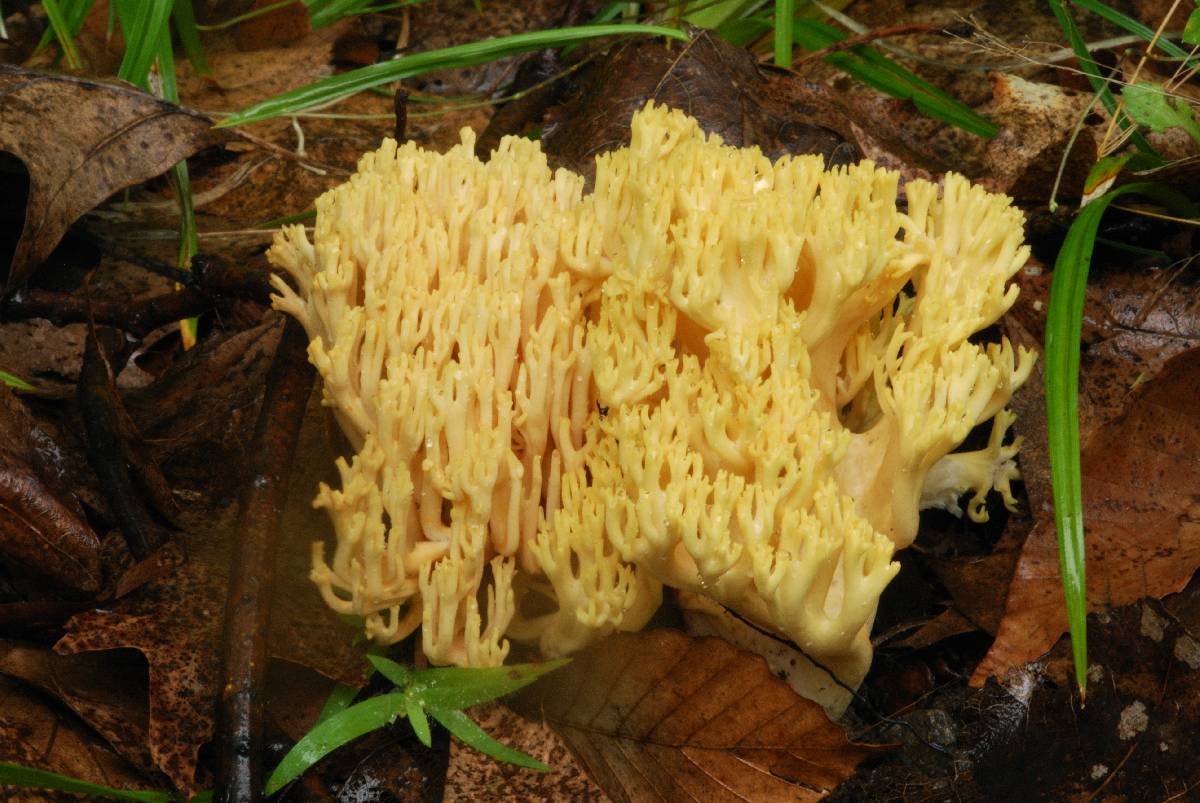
[
  {"x": 189, "y": 241},
  {"x": 878, "y": 71},
  {"x": 462, "y": 687},
  {"x": 334, "y": 732},
  {"x": 338, "y": 701},
  {"x": 418, "y": 720},
  {"x": 322, "y": 13},
  {"x": 785, "y": 12},
  {"x": 470, "y": 734},
  {"x": 62, "y": 32},
  {"x": 1092, "y": 71},
  {"x": 15, "y": 382},
  {"x": 30, "y": 778},
  {"x": 346, "y": 84},
  {"x": 189, "y": 36},
  {"x": 1136, "y": 28},
  {"x": 143, "y": 23},
  {"x": 1064, "y": 325}
]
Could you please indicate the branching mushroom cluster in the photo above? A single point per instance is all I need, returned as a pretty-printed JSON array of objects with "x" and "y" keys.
[{"x": 733, "y": 377}]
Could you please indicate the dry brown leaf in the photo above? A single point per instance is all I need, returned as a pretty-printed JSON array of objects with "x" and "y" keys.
[
  {"x": 105, "y": 137},
  {"x": 176, "y": 622},
  {"x": 717, "y": 83},
  {"x": 106, "y": 690},
  {"x": 1142, "y": 517},
  {"x": 662, "y": 716},
  {"x": 33, "y": 733},
  {"x": 43, "y": 528}
]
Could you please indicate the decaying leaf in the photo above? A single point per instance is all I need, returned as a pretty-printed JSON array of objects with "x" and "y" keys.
[
  {"x": 661, "y": 716},
  {"x": 105, "y": 690},
  {"x": 43, "y": 528},
  {"x": 105, "y": 137},
  {"x": 718, "y": 84},
  {"x": 1140, "y": 475},
  {"x": 176, "y": 622},
  {"x": 34, "y": 733}
]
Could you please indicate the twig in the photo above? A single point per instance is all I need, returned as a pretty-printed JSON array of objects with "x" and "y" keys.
[
  {"x": 247, "y": 612},
  {"x": 138, "y": 317}
]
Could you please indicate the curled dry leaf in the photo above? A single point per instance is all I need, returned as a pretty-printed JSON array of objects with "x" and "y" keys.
[
  {"x": 1142, "y": 517},
  {"x": 42, "y": 525},
  {"x": 662, "y": 716},
  {"x": 103, "y": 138}
]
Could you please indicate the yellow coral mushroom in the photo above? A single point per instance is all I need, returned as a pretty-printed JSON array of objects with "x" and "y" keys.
[{"x": 737, "y": 378}]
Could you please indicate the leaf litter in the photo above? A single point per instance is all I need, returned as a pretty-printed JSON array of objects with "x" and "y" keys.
[{"x": 952, "y": 740}]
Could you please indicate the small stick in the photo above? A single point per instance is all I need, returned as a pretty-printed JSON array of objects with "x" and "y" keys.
[
  {"x": 213, "y": 282},
  {"x": 247, "y": 612},
  {"x": 138, "y": 317}
]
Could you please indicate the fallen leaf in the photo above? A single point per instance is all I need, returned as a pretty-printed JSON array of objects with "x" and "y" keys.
[
  {"x": 34, "y": 733},
  {"x": 43, "y": 528},
  {"x": 718, "y": 84},
  {"x": 105, "y": 137},
  {"x": 662, "y": 716},
  {"x": 1142, "y": 518},
  {"x": 176, "y": 622},
  {"x": 106, "y": 690},
  {"x": 1133, "y": 322}
]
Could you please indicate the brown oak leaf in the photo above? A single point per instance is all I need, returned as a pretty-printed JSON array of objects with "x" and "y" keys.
[
  {"x": 105, "y": 137},
  {"x": 663, "y": 716}
]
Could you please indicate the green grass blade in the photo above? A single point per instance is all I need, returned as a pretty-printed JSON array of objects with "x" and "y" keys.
[
  {"x": 462, "y": 687},
  {"x": 189, "y": 240},
  {"x": 322, "y": 13},
  {"x": 470, "y": 734},
  {"x": 15, "y": 382},
  {"x": 394, "y": 672},
  {"x": 714, "y": 14},
  {"x": 189, "y": 36},
  {"x": 1064, "y": 325},
  {"x": 334, "y": 732},
  {"x": 346, "y": 84},
  {"x": 1136, "y": 28},
  {"x": 62, "y": 32},
  {"x": 878, "y": 71},
  {"x": 418, "y": 720},
  {"x": 785, "y": 12},
  {"x": 1092, "y": 71},
  {"x": 338, "y": 701},
  {"x": 143, "y": 23},
  {"x": 30, "y": 778}
]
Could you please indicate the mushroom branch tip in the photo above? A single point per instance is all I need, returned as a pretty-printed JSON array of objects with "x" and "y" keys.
[{"x": 735, "y": 377}]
